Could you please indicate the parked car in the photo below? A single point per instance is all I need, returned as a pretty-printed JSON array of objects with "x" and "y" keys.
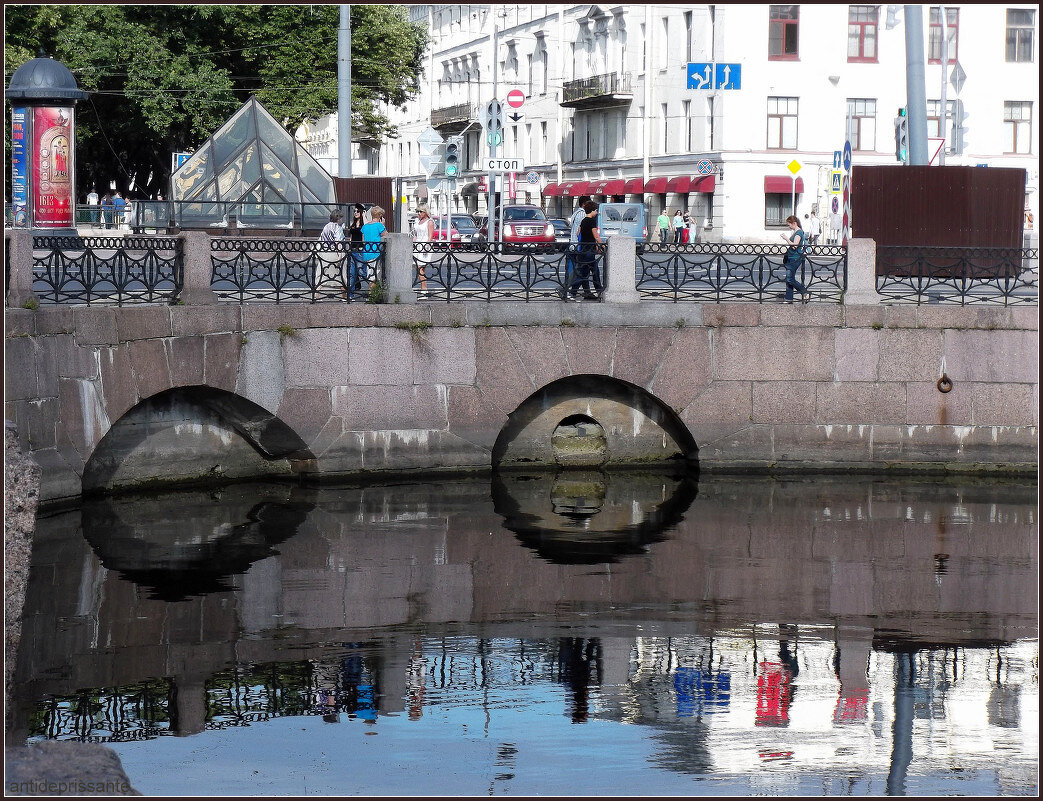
[
  {"x": 562, "y": 229},
  {"x": 522, "y": 225},
  {"x": 459, "y": 228}
]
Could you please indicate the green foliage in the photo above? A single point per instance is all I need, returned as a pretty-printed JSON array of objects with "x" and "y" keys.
[
  {"x": 377, "y": 293},
  {"x": 164, "y": 78},
  {"x": 286, "y": 331},
  {"x": 32, "y": 304}
]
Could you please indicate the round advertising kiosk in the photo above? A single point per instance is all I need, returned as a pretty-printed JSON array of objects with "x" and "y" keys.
[{"x": 43, "y": 95}]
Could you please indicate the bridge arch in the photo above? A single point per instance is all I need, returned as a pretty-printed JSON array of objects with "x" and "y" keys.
[
  {"x": 592, "y": 421},
  {"x": 191, "y": 433}
]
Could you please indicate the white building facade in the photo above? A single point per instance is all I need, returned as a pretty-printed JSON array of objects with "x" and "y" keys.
[{"x": 608, "y": 108}]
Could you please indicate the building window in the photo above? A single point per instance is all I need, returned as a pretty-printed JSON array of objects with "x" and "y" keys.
[
  {"x": 934, "y": 117},
  {"x": 1017, "y": 127},
  {"x": 1020, "y": 26},
  {"x": 861, "y": 32},
  {"x": 952, "y": 20},
  {"x": 782, "y": 123},
  {"x": 664, "y": 48},
  {"x": 863, "y": 124},
  {"x": 710, "y": 125},
  {"x": 688, "y": 35},
  {"x": 783, "y": 22},
  {"x": 543, "y": 143},
  {"x": 776, "y": 209},
  {"x": 687, "y": 113},
  {"x": 666, "y": 130}
]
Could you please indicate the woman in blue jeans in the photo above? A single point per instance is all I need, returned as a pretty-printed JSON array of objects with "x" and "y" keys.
[{"x": 792, "y": 260}]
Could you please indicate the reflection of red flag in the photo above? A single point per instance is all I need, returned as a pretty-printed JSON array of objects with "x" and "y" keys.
[{"x": 773, "y": 694}]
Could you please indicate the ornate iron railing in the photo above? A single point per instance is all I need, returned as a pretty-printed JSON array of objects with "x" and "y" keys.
[
  {"x": 284, "y": 270},
  {"x": 714, "y": 272},
  {"x": 461, "y": 112},
  {"x": 107, "y": 269},
  {"x": 611, "y": 83},
  {"x": 500, "y": 271},
  {"x": 963, "y": 276}
]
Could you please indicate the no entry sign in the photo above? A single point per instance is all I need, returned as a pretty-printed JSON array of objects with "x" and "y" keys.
[{"x": 515, "y": 98}]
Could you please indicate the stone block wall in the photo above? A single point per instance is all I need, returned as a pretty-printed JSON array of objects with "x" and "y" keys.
[{"x": 431, "y": 386}]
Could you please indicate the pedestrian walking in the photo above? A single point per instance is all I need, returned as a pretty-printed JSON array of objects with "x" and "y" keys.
[
  {"x": 92, "y": 202},
  {"x": 108, "y": 209},
  {"x": 663, "y": 224},
  {"x": 586, "y": 257},
  {"x": 678, "y": 226},
  {"x": 423, "y": 232},
  {"x": 572, "y": 258},
  {"x": 794, "y": 257},
  {"x": 121, "y": 207},
  {"x": 814, "y": 228}
]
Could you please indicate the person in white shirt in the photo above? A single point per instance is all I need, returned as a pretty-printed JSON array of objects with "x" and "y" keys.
[
  {"x": 814, "y": 229},
  {"x": 332, "y": 233}
]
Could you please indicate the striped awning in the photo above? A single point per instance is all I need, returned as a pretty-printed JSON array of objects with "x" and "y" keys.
[
  {"x": 781, "y": 185},
  {"x": 552, "y": 190}
]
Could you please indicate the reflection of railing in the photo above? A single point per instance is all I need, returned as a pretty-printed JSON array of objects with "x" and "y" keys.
[
  {"x": 282, "y": 270},
  {"x": 612, "y": 83},
  {"x": 1007, "y": 276},
  {"x": 502, "y": 271},
  {"x": 717, "y": 272},
  {"x": 107, "y": 269}
]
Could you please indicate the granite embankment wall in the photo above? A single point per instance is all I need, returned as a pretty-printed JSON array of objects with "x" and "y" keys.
[{"x": 109, "y": 396}]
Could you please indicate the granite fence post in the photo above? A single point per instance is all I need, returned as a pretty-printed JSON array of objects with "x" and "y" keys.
[
  {"x": 20, "y": 257},
  {"x": 621, "y": 270},
  {"x": 861, "y": 273},
  {"x": 398, "y": 259},
  {"x": 196, "y": 290}
]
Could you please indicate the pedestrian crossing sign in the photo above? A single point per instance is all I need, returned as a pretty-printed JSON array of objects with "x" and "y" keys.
[{"x": 835, "y": 179}]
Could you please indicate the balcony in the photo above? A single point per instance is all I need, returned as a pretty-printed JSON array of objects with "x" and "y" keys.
[
  {"x": 611, "y": 89},
  {"x": 452, "y": 119}
]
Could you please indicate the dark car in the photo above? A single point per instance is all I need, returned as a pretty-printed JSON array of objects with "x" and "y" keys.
[
  {"x": 522, "y": 225},
  {"x": 459, "y": 229},
  {"x": 562, "y": 229}
]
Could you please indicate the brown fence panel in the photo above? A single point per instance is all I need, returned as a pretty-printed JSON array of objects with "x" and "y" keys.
[
  {"x": 950, "y": 207},
  {"x": 376, "y": 191}
]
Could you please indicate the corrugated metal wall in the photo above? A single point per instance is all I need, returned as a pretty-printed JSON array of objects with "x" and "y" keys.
[
  {"x": 938, "y": 206},
  {"x": 377, "y": 191}
]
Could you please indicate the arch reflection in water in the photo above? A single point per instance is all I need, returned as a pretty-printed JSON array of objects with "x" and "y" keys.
[
  {"x": 191, "y": 542},
  {"x": 592, "y": 516}
]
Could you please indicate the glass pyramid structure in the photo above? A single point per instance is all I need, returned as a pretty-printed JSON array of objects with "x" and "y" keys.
[{"x": 254, "y": 168}]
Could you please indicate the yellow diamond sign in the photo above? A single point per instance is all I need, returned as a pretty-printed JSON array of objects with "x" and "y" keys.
[{"x": 794, "y": 166}]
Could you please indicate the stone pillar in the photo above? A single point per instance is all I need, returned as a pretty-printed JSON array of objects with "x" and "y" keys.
[
  {"x": 20, "y": 290},
  {"x": 861, "y": 273},
  {"x": 198, "y": 270},
  {"x": 621, "y": 270},
  {"x": 398, "y": 260}
]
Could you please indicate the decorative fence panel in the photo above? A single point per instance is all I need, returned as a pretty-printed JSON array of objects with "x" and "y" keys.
[
  {"x": 722, "y": 272},
  {"x": 288, "y": 270},
  {"x": 502, "y": 271},
  {"x": 107, "y": 269},
  {"x": 963, "y": 276}
]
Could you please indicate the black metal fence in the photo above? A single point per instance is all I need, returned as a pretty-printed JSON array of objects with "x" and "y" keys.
[
  {"x": 115, "y": 270},
  {"x": 506, "y": 271},
  {"x": 286, "y": 270},
  {"x": 721, "y": 272},
  {"x": 963, "y": 276}
]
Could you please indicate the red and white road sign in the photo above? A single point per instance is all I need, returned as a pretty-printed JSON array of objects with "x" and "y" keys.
[
  {"x": 512, "y": 186},
  {"x": 515, "y": 98}
]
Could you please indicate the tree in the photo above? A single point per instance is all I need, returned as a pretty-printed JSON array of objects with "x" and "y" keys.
[{"x": 164, "y": 78}]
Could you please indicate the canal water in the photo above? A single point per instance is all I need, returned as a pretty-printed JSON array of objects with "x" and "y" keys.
[{"x": 629, "y": 633}]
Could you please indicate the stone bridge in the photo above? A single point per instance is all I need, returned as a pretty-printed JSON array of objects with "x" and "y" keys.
[{"x": 106, "y": 396}]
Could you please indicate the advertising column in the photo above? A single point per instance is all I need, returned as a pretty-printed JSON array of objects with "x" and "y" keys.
[{"x": 53, "y": 204}]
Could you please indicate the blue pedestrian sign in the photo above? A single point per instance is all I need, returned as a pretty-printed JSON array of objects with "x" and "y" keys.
[{"x": 709, "y": 75}]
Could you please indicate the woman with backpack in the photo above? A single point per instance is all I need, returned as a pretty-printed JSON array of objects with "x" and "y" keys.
[{"x": 796, "y": 240}]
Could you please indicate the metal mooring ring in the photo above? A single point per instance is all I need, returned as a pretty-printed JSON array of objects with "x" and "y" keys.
[{"x": 944, "y": 384}]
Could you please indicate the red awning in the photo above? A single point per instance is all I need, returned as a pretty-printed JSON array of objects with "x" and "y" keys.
[
  {"x": 635, "y": 186},
  {"x": 656, "y": 186},
  {"x": 598, "y": 187},
  {"x": 679, "y": 184},
  {"x": 552, "y": 190},
  {"x": 704, "y": 183},
  {"x": 781, "y": 185},
  {"x": 575, "y": 188},
  {"x": 615, "y": 187}
]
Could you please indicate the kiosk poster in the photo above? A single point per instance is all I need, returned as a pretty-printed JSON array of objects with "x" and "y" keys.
[
  {"x": 19, "y": 178},
  {"x": 52, "y": 167}
]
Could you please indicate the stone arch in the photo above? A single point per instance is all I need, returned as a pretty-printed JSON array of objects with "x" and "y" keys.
[
  {"x": 615, "y": 422},
  {"x": 194, "y": 433}
]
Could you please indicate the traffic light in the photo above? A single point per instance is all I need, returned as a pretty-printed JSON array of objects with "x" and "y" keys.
[
  {"x": 959, "y": 128},
  {"x": 493, "y": 119},
  {"x": 452, "y": 156},
  {"x": 902, "y": 136}
]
